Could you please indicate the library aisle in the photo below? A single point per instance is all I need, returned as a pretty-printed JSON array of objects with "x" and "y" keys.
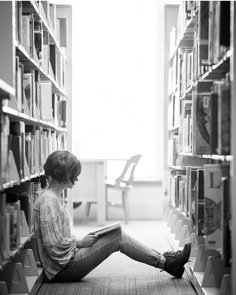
[
  {"x": 199, "y": 163},
  {"x": 121, "y": 275}
]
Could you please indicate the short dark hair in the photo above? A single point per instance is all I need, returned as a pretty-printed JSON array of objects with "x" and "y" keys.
[{"x": 62, "y": 165}]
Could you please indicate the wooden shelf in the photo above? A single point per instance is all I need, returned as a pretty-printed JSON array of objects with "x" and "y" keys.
[
  {"x": 205, "y": 268},
  {"x": 27, "y": 140},
  {"x": 219, "y": 70},
  {"x": 185, "y": 39},
  {"x": 174, "y": 129},
  {"x": 6, "y": 90},
  {"x": 31, "y": 63},
  {"x": 30, "y": 120}
]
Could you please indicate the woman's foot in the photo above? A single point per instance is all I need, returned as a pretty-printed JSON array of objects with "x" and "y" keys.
[{"x": 175, "y": 261}]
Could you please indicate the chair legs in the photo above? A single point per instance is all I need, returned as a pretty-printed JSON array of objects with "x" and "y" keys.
[
  {"x": 87, "y": 208},
  {"x": 125, "y": 205}
]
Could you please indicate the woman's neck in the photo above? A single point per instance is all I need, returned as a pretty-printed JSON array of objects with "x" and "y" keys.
[{"x": 56, "y": 188}]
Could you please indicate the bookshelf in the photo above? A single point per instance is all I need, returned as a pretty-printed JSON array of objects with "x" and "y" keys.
[
  {"x": 35, "y": 107},
  {"x": 199, "y": 159}
]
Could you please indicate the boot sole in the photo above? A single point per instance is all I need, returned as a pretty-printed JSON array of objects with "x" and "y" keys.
[
  {"x": 187, "y": 250},
  {"x": 179, "y": 274}
]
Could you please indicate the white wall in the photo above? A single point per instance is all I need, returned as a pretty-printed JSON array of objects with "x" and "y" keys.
[{"x": 145, "y": 204}]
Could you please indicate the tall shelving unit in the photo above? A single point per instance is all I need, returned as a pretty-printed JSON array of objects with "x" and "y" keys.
[
  {"x": 195, "y": 66},
  {"x": 233, "y": 142},
  {"x": 35, "y": 111}
]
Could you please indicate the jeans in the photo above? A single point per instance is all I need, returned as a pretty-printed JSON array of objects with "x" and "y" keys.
[{"x": 86, "y": 259}]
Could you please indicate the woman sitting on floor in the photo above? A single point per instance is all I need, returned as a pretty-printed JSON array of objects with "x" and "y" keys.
[{"x": 67, "y": 259}]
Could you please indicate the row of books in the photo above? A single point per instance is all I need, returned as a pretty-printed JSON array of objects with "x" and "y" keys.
[
  {"x": 16, "y": 215},
  {"x": 24, "y": 148},
  {"x": 53, "y": 62},
  {"x": 181, "y": 72},
  {"x": 218, "y": 13},
  {"x": 173, "y": 149},
  {"x": 211, "y": 35},
  {"x": 56, "y": 24},
  {"x": 173, "y": 111},
  {"x": 204, "y": 124},
  {"x": 202, "y": 193},
  {"x": 211, "y": 41},
  {"x": 28, "y": 32},
  {"x": 36, "y": 40},
  {"x": 211, "y": 118},
  {"x": 187, "y": 11},
  {"x": 35, "y": 97}
]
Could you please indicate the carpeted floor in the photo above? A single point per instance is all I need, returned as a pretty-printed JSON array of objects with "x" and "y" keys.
[{"x": 121, "y": 275}]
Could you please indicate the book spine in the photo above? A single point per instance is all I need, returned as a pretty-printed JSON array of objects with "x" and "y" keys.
[
  {"x": 200, "y": 203},
  {"x": 213, "y": 174},
  {"x": 201, "y": 123}
]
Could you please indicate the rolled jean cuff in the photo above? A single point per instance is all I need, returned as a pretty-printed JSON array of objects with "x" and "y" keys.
[{"x": 161, "y": 263}]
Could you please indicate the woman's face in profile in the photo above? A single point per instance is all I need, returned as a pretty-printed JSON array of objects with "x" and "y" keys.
[{"x": 71, "y": 181}]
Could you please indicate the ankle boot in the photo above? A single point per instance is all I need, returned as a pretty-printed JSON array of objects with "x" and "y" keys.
[{"x": 175, "y": 261}]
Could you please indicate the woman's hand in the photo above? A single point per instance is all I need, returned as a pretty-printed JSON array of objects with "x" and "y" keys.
[{"x": 87, "y": 241}]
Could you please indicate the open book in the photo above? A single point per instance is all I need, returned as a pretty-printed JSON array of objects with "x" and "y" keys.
[{"x": 106, "y": 229}]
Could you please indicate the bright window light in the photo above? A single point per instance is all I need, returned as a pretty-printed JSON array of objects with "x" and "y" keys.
[{"x": 118, "y": 81}]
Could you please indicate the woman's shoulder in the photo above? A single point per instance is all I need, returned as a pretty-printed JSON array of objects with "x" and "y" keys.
[
  {"x": 47, "y": 205},
  {"x": 46, "y": 198}
]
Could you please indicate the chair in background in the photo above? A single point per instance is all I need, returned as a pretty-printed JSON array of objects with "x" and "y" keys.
[{"x": 123, "y": 183}]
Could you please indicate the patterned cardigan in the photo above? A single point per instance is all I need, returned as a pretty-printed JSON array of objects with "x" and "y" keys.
[{"x": 55, "y": 245}]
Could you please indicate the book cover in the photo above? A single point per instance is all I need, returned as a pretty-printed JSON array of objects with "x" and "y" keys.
[
  {"x": 177, "y": 180},
  {"x": 225, "y": 23},
  {"x": 28, "y": 151},
  {"x": 45, "y": 52},
  {"x": 52, "y": 59},
  {"x": 16, "y": 148},
  {"x": 18, "y": 22},
  {"x": 201, "y": 123},
  {"x": 192, "y": 195},
  {"x": 25, "y": 194},
  {"x": 214, "y": 122},
  {"x": 30, "y": 144},
  {"x": 211, "y": 31},
  {"x": 6, "y": 236},
  {"x": 191, "y": 176},
  {"x": 46, "y": 101},
  {"x": 2, "y": 225},
  {"x": 203, "y": 35},
  {"x": 26, "y": 32},
  {"x": 17, "y": 130},
  {"x": 28, "y": 91},
  {"x": 18, "y": 81},
  {"x": 106, "y": 229},
  {"x": 37, "y": 108},
  {"x": 225, "y": 222},
  {"x": 172, "y": 150},
  {"x": 200, "y": 203},
  {"x": 62, "y": 112},
  {"x": 216, "y": 31},
  {"x": 14, "y": 212},
  {"x": 38, "y": 41},
  {"x": 182, "y": 193},
  {"x": 213, "y": 174},
  {"x": 4, "y": 143},
  {"x": 31, "y": 16},
  {"x": 224, "y": 114},
  {"x": 184, "y": 130}
]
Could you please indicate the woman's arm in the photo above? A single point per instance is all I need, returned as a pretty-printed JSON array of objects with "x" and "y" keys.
[{"x": 87, "y": 241}]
